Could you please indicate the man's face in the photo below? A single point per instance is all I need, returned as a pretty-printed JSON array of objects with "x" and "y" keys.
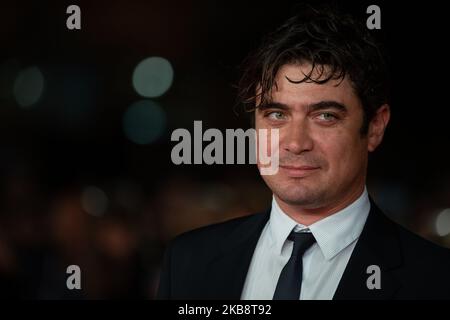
[{"x": 322, "y": 154}]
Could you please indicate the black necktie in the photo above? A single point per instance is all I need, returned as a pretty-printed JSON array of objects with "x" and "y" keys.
[{"x": 290, "y": 280}]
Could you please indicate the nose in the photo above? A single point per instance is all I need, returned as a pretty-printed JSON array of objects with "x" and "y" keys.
[{"x": 297, "y": 137}]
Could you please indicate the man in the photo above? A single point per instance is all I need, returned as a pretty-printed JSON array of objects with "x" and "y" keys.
[{"x": 320, "y": 80}]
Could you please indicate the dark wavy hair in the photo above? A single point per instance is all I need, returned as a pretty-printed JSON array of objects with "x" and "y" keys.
[{"x": 335, "y": 44}]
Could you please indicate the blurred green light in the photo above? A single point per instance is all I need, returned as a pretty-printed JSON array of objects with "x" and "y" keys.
[
  {"x": 29, "y": 86},
  {"x": 152, "y": 77},
  {"x": 94, "y": 201},
  {"x": 144, "y": 122}
]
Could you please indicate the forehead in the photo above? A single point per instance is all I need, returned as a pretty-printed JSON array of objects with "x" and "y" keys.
[{"x": 297, "y": 94}]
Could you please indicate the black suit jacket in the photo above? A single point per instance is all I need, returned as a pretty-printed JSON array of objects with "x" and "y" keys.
[{"x": 212, "y": 262}]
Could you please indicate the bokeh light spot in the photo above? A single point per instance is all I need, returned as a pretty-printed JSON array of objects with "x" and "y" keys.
[
  {"x": 152, "y": 77},
  {"x": 443, "y": 223},
  {"x": 144, "y": 122},
  {"x": 94, "y": 201},
  {"x": 29, "y": 86}
]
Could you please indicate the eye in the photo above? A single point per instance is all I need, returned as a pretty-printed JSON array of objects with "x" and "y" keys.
[
  {"x": 326, "y": 116},
  {"x": 275, "y": 115}
]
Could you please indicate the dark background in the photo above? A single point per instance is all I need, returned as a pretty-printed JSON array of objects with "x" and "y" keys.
[{"x": 76, "y": 190}]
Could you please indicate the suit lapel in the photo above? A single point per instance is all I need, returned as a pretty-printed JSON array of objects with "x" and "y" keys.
[
  {"x": 229, "y": 268},
  {"x": 378, "y": 245}
]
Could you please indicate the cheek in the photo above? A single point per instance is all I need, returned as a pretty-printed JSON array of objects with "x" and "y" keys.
[{"x": 342, "y": 152}]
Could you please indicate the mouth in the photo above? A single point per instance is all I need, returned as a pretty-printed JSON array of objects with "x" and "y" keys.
[{"x": 299, "y": 171}]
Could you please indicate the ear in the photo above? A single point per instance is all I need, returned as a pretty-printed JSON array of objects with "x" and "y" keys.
[{"x": 377, "y": 126}]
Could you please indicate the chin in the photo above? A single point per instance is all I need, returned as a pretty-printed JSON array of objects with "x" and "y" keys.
[
  {"x": 302, "y": 192},
  {"x": 307, "y": 203},
  {"x": 299, "y": 196}
]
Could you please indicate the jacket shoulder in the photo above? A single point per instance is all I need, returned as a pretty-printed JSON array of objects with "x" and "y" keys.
[
  {"x": 211, "y": 235},
  {"x": 188, "y": 257}
]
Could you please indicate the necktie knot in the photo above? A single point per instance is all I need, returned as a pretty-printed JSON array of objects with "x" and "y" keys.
[{"x": 302, "y": 242}]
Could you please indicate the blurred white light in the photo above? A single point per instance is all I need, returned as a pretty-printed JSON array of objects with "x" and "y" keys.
[
  {"x": 94, "y": 201},
  {"x": 144, "y": 122},
  {"x": 29, "y": 86},
  {"x": 152, "y": 77},
  {"x": 443, "y": 223}
]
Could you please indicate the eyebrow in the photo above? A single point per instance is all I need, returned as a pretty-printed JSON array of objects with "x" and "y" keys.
[{"x": 321, "y": 105}]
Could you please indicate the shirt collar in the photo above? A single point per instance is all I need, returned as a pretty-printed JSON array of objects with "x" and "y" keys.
[{"x": 333, "y": 233}]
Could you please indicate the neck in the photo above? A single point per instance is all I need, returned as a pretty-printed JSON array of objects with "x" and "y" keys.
[{"x": 308, "y": 216}]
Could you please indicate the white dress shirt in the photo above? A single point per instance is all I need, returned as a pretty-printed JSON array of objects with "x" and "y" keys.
[{"x": 323, "y": 263}]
